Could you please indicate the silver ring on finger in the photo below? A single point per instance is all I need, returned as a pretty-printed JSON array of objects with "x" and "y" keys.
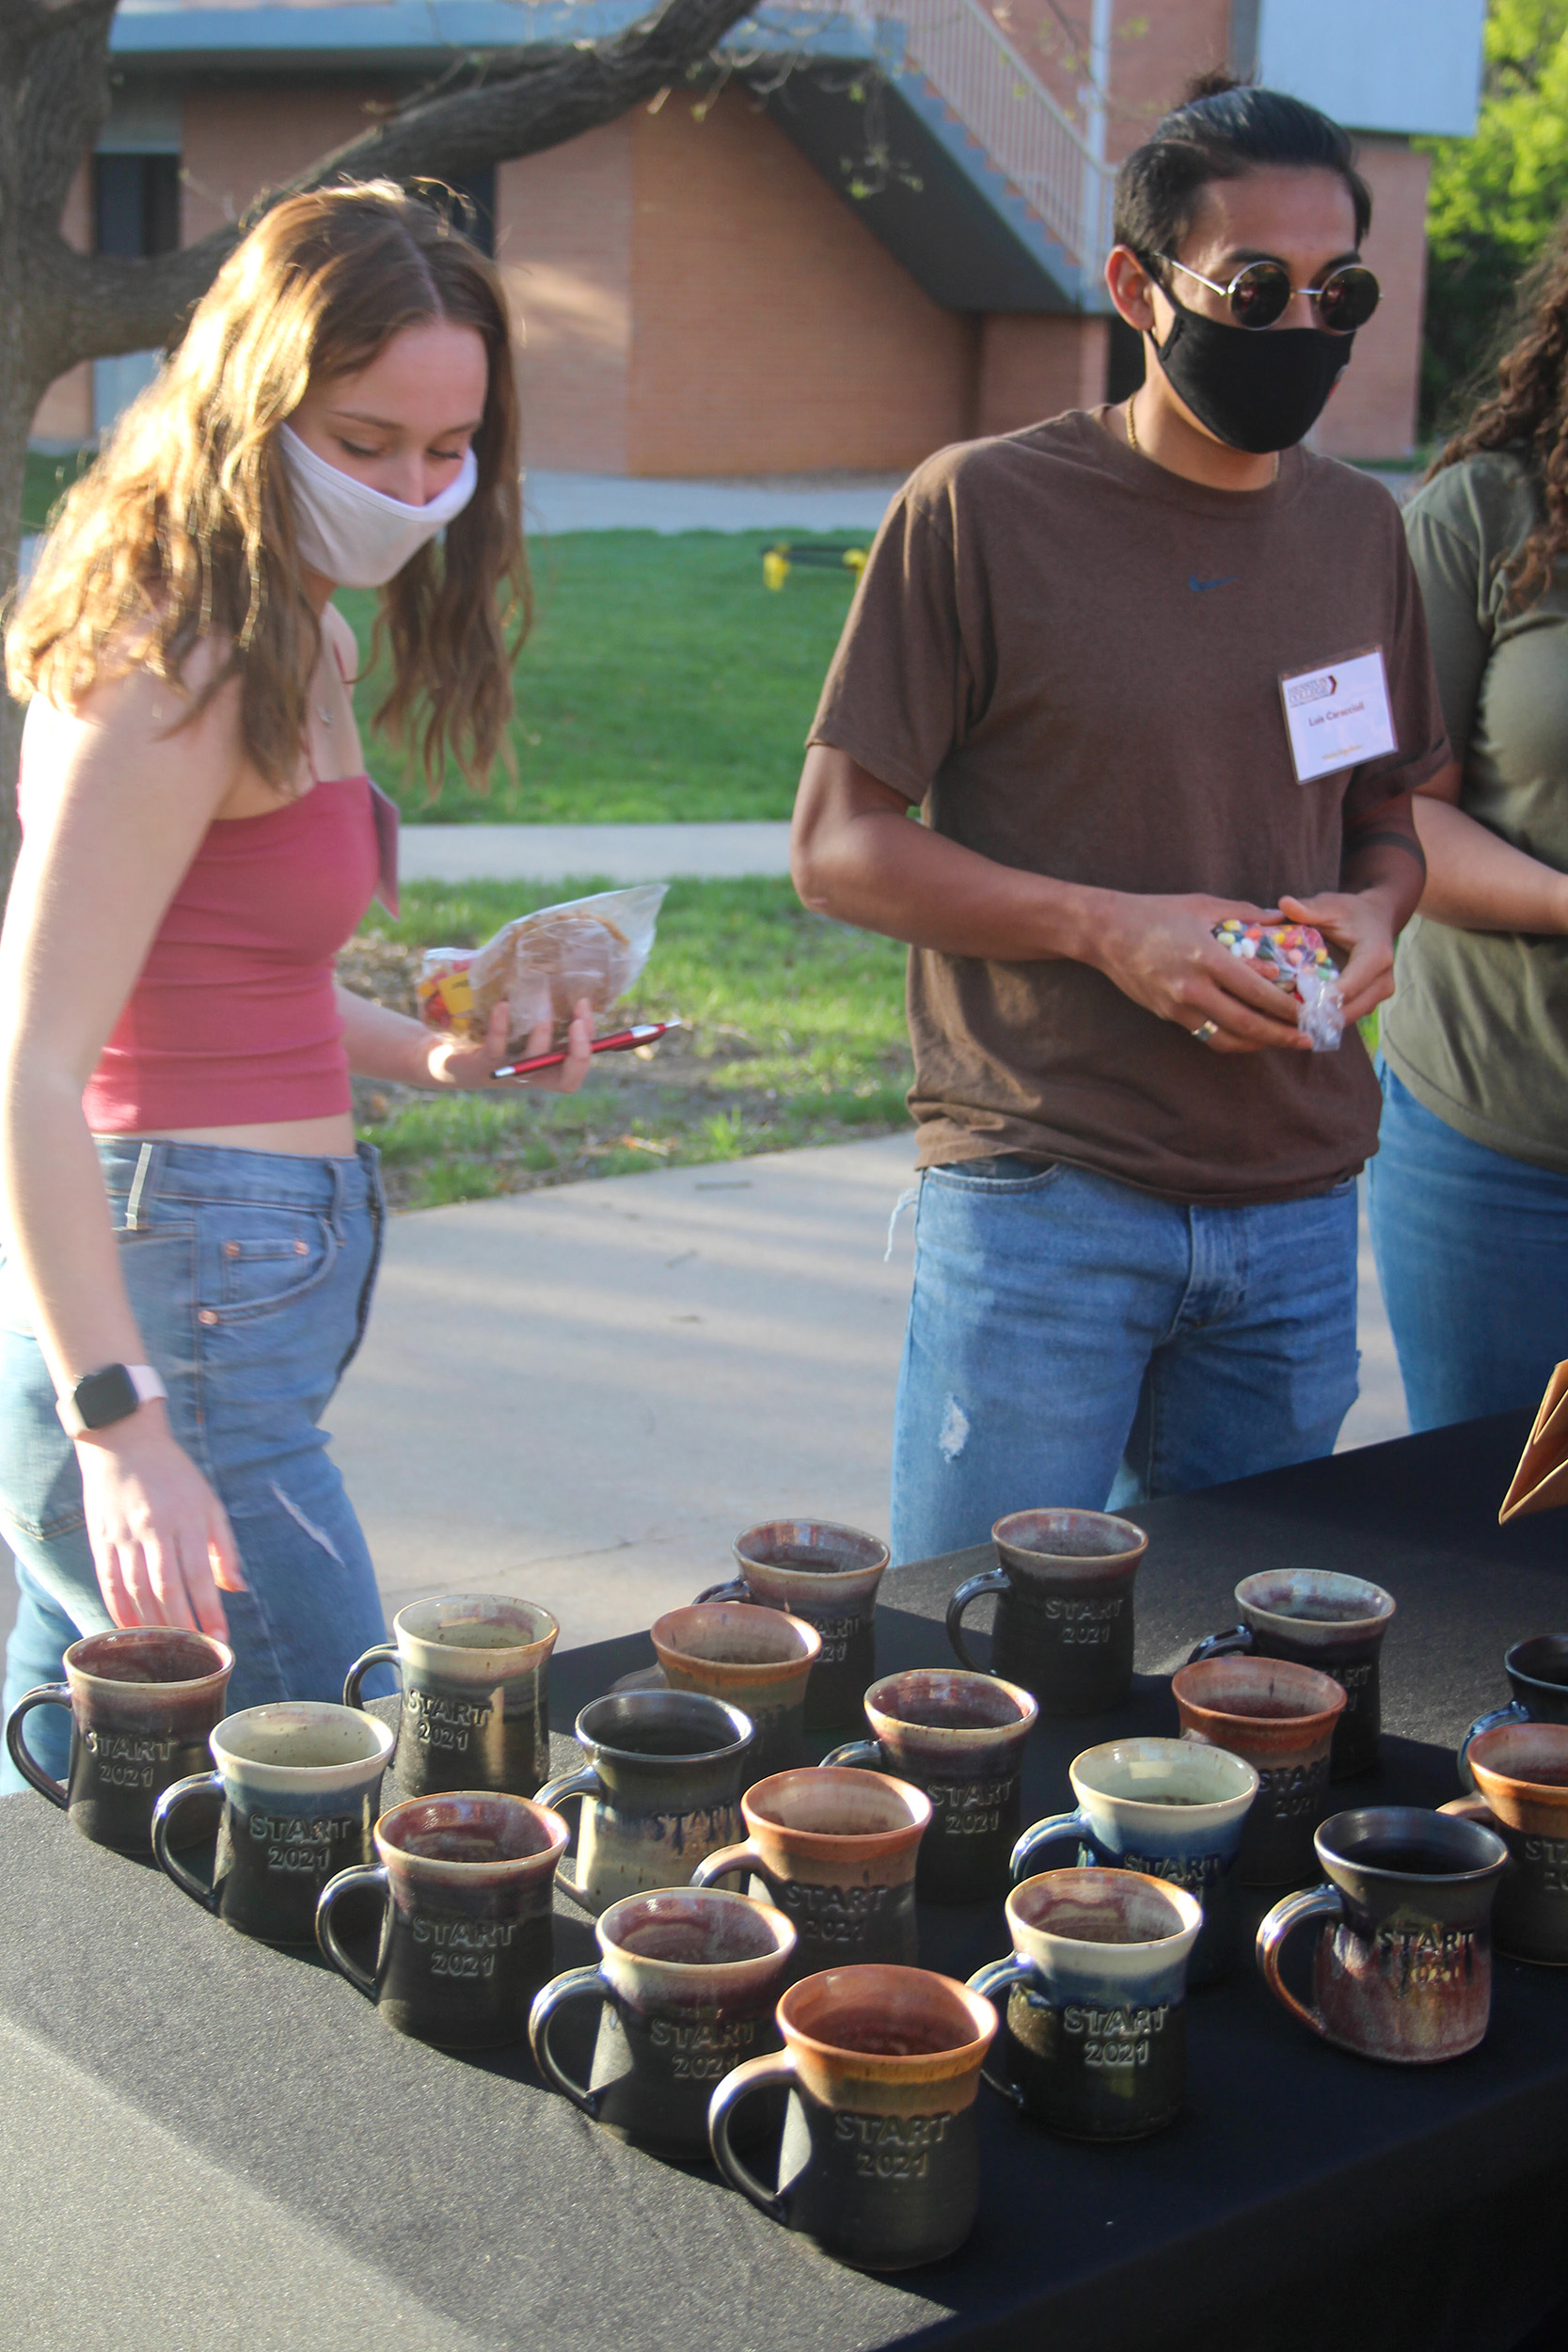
[{"x": 1206, "y": 1032}]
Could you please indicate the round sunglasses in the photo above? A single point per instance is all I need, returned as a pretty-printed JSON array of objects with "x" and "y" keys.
[{"x": 1260, "y": 293}]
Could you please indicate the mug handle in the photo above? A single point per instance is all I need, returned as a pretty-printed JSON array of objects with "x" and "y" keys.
[
  {"x": 864, "y": 1755},
  {"x": 362, "y": 1874},
  {"x": 735, "y": 1590},
  {"x": 1513, "y": 1713},
  {"x": 169, "y": 1804},
  {"x": 725, "y": 1860},
  {"x": 971, "y": 1589},
  {"x": 1314, "y": 1903},
  {"x": 577, "y": 1984},
  {"x": 382, "y": 1654},
  {"x": 1045, "y": 1833},
  {"x": 995, "y": 1981},
  {"x": 584, "y": 1784},
  {"x": 776, "y": 2071},
  {"x": 1472, "y": 1809},
  {"x": 47, "y": 1694},
  {"x": 1235, "y": 1642}
]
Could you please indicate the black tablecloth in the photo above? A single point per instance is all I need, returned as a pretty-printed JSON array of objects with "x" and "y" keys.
[{"x": 208, "y": 2144}]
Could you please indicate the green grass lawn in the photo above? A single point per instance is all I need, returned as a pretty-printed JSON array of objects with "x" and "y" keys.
[
  {"x": 795, "y": 1035},
  {"x": 662, "y": 681},
  {"x": 48, "y": 479}
]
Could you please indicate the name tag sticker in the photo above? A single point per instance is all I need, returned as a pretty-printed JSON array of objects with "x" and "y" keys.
[{"x": 1338, "y": 716}]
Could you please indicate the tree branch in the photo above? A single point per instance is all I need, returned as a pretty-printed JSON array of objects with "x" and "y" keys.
[{"x": 91, "y": 305}]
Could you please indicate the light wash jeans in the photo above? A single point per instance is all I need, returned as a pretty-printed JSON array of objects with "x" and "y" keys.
[
  {"x": 1472, "y": 1254},
  {"x": 250, "y": 1276},
  {"x": 1073, "y": 1341}
]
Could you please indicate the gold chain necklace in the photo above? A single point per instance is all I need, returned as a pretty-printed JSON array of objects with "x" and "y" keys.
[{"x": 1132, "y": 442}]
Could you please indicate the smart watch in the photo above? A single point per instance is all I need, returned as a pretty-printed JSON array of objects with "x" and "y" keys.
[{"x": 102, "y": 1398}]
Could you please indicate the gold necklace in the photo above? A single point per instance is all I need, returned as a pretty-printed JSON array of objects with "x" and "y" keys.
[{"x": 1132, "y": 442}]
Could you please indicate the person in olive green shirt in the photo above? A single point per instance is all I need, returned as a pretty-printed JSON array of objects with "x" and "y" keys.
[{"x": 1469, "y": 1189}]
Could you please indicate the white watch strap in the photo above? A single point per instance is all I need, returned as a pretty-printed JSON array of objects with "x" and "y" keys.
[{"x": 142, "y": 1379}]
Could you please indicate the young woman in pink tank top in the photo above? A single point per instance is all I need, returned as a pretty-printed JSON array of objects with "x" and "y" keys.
[{"x": 190, "y": 1233}]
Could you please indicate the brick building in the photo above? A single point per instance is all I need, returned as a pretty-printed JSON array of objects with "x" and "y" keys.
[{"x": 893, "y": 243}]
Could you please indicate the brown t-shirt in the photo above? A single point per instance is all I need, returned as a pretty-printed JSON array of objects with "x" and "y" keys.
[{"x": 1071, "y": 659}]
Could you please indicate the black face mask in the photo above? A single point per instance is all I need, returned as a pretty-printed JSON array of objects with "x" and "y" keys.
[{"x": 1257, "y": 388}]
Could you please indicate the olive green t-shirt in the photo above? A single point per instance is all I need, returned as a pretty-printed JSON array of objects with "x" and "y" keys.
[
  {"x": 1072, "y": 657},
  {"x": 1478, "y": 1026}
]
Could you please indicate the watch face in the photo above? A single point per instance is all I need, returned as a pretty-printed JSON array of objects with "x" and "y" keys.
[{"x": 106, "y": 1396}]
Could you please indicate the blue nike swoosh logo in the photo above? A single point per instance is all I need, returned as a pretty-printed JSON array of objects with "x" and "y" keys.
[{"x": 1198, "y": 585}]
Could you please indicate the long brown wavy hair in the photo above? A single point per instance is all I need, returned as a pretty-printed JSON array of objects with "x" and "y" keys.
[
  {"x": 182, "y": 530},
  {"x": 1527, "y": 414}
]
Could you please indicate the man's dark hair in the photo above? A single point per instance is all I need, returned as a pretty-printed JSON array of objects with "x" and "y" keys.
[{"x": 1222, "y": 129}]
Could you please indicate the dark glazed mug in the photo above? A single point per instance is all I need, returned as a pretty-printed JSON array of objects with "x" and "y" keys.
[
  {"x": 1280, "y": 1718},
  {"x": 1170, "y": 1808},
  {"x": 300, "y": 1783},
  {"x": 758, "y": 1660},
  {"x": 475, "y": 1673},
  {"x": 659, "y": 1790},
  {"x": 837, "y": 1850},
  {"x": 1064, "y": 1610},
  {"x": 879, "y": 2164},
  {"x": 828, "y": 1576},
  {"x": 960, "y": 1737},
  {"x": 1537, "y": 1671},
  {"x": 465, "y": 1935},
  {"x": 1094, "y": 2001},
  {"x": 686, "y": 1987},
  {"x": 142, "y": 1703},
  {"x": 1335, "y": 1624},
  {"x": 1403, "y": 1968},
  {"x": 1521, "y": 1770}
]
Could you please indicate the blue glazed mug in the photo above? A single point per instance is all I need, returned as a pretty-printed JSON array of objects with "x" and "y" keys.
[
  {"x": 1093, "y": 2001},
  {"x": 1168, "y": 1808},
  {"x": 1537, "y": 1671}
]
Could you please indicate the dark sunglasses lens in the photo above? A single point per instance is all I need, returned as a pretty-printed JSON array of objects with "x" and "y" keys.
[
  {"x": 1260, "y": 294},
  {"x": 1348, "y": 300}
]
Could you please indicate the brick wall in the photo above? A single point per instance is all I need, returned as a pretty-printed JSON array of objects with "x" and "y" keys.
[
  {"x": 1372, "y": 413},
  {"x": 772, "y": 332},
  {"x": 563, "y": 225},
  {"x": 1036, "y": 367},
  {"x": 239, "y": 141}
]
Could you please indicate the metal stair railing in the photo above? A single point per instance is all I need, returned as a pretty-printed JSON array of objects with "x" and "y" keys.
[{"x": 1000, "y": 101}]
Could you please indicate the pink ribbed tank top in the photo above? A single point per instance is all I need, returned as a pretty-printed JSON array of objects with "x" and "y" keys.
[{"x": 233, "y": 1019}]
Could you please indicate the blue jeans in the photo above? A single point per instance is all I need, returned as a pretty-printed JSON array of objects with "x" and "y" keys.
[
  {"x": 250, "y": 1276},
  {"x": 1073, "y": 1341},
  {"x": 1472, "y": 1254}
]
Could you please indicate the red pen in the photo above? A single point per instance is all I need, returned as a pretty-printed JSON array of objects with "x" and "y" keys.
[{"x": 620, "y": 1042}]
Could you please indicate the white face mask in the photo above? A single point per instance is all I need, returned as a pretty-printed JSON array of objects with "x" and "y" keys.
[{"x": 353, "y": 535}]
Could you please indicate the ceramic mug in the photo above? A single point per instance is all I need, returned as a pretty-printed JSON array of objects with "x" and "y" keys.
[
  {"x": 466, "y": 1941},
  {"x": 1537, "y": 1671},
  {"x": 758, "y": 1660},
  {"x": 1094, "y": 2001},
  {"x": 1281, "y": 1718},
  {"x": 142, "y": 1703},
  {"x": 659, "y": 1790},
  {"x": 1064, "y": 1613},
  {"x": 1333, "y": 1624},
  {"x": 1521, "y": 1772},
  {"x": 687, "y": 1984},
  {"x": 828, "y": 1576},
  {"x": 300, "y": 1783},
  {"x": 1170, "y": 1809},
  {"x": 837, "y": 1850},
  {"x": 879, "y": 2164},
  {"x": 960, "y": 1737},
  {"x": 1402, "y": 1967},
  {"x": 475, "y": 1674}
]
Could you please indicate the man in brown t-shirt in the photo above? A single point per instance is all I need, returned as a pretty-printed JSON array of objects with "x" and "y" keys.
[{"x": 1102, "y": 655}]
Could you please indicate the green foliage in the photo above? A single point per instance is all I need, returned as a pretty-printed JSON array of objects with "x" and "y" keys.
[
  {"x": 795, "y": 1035},
  {"x": 662, "y": 681},
  {"x": 1494, "y": 199},
  {"x": 46, "y": 482}
]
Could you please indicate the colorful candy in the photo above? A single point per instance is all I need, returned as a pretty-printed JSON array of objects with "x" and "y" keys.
[{"x": 1293, "y": 957}]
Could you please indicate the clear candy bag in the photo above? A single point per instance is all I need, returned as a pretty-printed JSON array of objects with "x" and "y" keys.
[
  {"x": 1293, "y": 957},
  {"x": 543, "y": 965}
]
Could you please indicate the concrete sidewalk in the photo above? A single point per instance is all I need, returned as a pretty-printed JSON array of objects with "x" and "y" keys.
[
  {"x": 581, "y": 1395},
  {"x": 619, "y": 853},
  {"x": 554, "y": 502}
]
